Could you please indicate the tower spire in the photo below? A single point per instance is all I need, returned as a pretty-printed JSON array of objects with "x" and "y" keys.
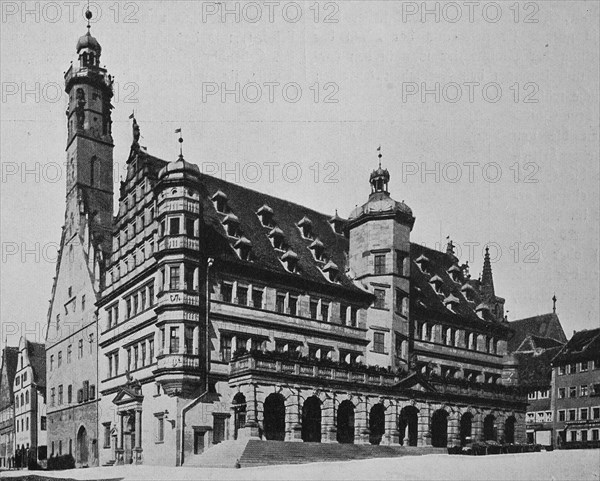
[
  {"x": 554, "y": 299},
  {"x": 178, "y": 131},
  {"x": 487, "y": 280}
]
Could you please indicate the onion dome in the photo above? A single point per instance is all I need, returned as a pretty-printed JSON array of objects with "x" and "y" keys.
[
  {"x": 87, "y": 41},
  {"x": 179, "y": 170}
]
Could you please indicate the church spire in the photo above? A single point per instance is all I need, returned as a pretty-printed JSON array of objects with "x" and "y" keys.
[{"x": 487, "y": 280}]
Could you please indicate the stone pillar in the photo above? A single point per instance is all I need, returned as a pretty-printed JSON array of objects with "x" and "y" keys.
[
  {"x": 454, "y": 429},
  {"x": 361, "y": 423},
  {"x": 424, "y": 438},
  {"x": 520, "y": 430},
  {"x": 392, "y": 435},
  {"x": 196, "y": 341},
  {"x": 500, "y": 428},
  {"x": 293, "y": 428},
  {"x": 137, "y": 450},
  {"x": 250, "y": 429},
  {"x": 328, "y": 424},
  {"x": 477, "y": 428},
  {"x": 119, "y": 450}
]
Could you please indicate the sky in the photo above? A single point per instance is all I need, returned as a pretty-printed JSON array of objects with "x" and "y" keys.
[{"x": 487, "y": 117}]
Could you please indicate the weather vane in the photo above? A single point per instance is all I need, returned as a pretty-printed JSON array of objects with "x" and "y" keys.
[{"x": 178, "y": 131}]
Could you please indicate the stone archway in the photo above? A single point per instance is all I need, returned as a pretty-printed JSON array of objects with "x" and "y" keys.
[
  {"x": 489, "y": 430},
  {"x": 82, "y": 447},
  {"x": 439, "y": 429},
  {"x": 376, "y": 423},
  {"x": 509, "y": 430},
  {"x": 311, "y": 420},
  {"x": 408, "y": 425},
  {"x": 466, "y": 428},
  {"x": 239, "y": 413},
  {"x": 345, "y": 422},
  {"x": 274, "y": 417}
]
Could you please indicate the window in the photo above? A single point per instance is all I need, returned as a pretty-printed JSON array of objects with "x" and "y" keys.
[
  {"x": 314, "y": 307},
  {"x": 51, "y": 362},
  {"x": 174, "y": 340},
  {"x": 573, "y": 368},
  {"x": 26, "y": 397},
  {"x": 225, "y": 348},
  {"x": 325, "y": 311},
  {"x": 160, "y": 429},
  {"x": 242, "y": 295},
  {"x": 60, "y": 395},
  {"x": 129, "y": 359},
  {"x": 150, "y": 351},
  {"x": 80, "y": 348},
  {"x": 69, "y": 350},
  {"x": 532, "y": 395},
  {"x": 43, "y": 423},
  {"x": 562, "y": 393},
  {"x": 293, "y": 305},
  {"x": 257, "y": 297},
  {"x": 544, "y": 394},
  {"x": 573, "y": 391},
  {"x": 343, "y": 313},
  {"x": 584, "y": 436},
  {"x": 151, "y": 294},
  {"x": 174, "y": 281},
  {"x": 597, "y": 364},
  {"x": 402, "y": 264},
  {"x": 379, "y": 342},
  {"x": 596, "y": 413},
  {"x": 279, "y": 303},
  {"x": 379, "y": 264},
  {"x": 52, "y": 396},
  {"x": 136, "y": 355},
  {"x": 143, "y": 354},
  {"x": 174, "y": 226},
  {"x": 584, "y": 391},
  {"x": 379, "y": 299},
  {"x": 83, "y": 302},
  {"x": 595, "y": 433},
  {"x": 106, "y": 437},
  {"x": 401, "y": 303},
  {"x": 399, "y": 345},
  {"x": 584, "y": 366},
  {"x": 86, "y": 391},
  {"x": 562, "y": 415},
  {"x": 69, "y": 393},
  {"x": 59, "y": 358},
  {"x": 583, "y": 414},
  {"x": 428, "y": 335},
  {"x": 188, "y": 338},
  {"x": 189, "y": 227},
  {"x": 573, "y": 436},
  {"x": 226, "y": 291},
  {"x": 572, "y": 414},
  {"x": 561, "y": 370}
]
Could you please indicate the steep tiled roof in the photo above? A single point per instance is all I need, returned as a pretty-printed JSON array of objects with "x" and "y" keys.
[
  {"x": 427, "y": 304},
  {"x": 545, "y": 325},
  {"x": 37, "y": 358},
  {"x": 584, "y": 345},
  {"x": 10, "y": 356},
  {"x": 535, "y": 370}
]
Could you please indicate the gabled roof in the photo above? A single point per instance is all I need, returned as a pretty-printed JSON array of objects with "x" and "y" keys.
[
  {"x": 545, "y": 325},
  {"x": 426, "y": 304},
  {"x": 37, "y": 358},
  {"x": 584, "y": 345},
  {"x": 535, "y": 370},
  {"x": 10, "y": 357}
]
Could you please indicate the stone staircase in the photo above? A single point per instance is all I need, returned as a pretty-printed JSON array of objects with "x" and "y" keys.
[
  {"x": 248, "y": 453},
  {"x": 109, "y": 463}
]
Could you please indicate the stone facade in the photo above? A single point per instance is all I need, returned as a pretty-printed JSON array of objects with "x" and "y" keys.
[{"x": 8, "y": 367}]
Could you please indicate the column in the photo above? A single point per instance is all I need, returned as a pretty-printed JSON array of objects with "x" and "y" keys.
[
  {"x": 477, "y": 428},
  {"x": 328, "y": 428},
  {"x": 250, "y": 429},
  {"x": 424, "y": 431},
  {"x": 500, "y": 428},
  {"x": 361, "y": 422},
  {"x": 196, "y": 339},
  {"x": 293, "y": 428},
  {"x": 454, "y": 429},
  {"x": 119, "y": 450},
  {"x": 392, "y": 435},
  {"x": 137, "y": 450}
]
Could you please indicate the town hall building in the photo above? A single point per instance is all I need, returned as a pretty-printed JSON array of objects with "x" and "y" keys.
[{"x": 215, "y": 312}]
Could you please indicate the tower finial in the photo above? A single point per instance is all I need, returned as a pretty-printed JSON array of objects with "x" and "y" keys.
[
  {"x": 554, "y": 299},
  {"x": 178, "y": 131},
  {"x": 88, "y": 15},
  {"x": 379, "y": 156}
]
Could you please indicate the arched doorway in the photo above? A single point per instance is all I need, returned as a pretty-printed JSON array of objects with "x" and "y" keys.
[
  {"x": 274, "y": 417},
  {"x": 489, "y": 431},
  {"x": 376, "y": 423},
  {"x": 439, "y": 429},
  {"x": 408, "y": 425},
  {"x": 466, "y": 426},
  {"x": 311, "y": 420},
  {"x": 345, "y": 423},
  {"x": 82, "y": 446},
  {"x": 239, "y": 413},
  {"x": 509, "y": 430}
]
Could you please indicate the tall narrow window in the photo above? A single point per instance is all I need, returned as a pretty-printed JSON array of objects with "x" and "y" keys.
[
  {"x": 325, "y": 311},
  {"x": 293, "y": 305},
  {"x": 279, "y": 303},
  {"x": 174, "y": 341},
  {"x": 257, "y": 297},
  {"x": 314, "y": 307},
  {"x": 189, "y": 340},
  {"x": 174, "y": 226},
  {"x": 225, "y": 348},
  {"x": 242, "y": 294},
  {"x": 379, "y": 299},
  {"x": 379, "y": 264},
  {"x": 174, "y": 272},
  {"x": 379, "y": 342},
  {"x": 226, "y": 291}
]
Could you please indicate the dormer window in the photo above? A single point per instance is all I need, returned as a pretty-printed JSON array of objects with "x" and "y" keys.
[
  {"x": 337, "y": 224},
  {"x": 290, "y": 260},
  {"x": 454, "y": 272},
  {"x": 451, "y": 302},
  {"x": 423, "y": 263},
  {"x": 468, "y": 291},
  {"x": 243, "y": 248},
  {"x": 232, "y": 225},
  {"x": 266, "y": 215},
  {"x": 276, "y": 236},
  {"x": 317, "y": 249},
  {"x": 436, "y": 282},
  {"x": 331, "y": 271},
  {"x": 220, "y": 201},
  {"x": 305, "y": 226}
]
